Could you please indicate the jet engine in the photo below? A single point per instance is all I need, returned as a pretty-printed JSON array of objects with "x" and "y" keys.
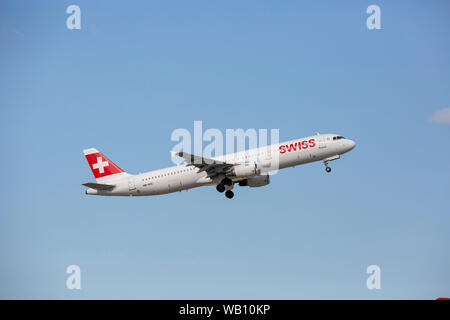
[
  {"x": 256, "y": 181},
  {"x": 246, "y": 170}
]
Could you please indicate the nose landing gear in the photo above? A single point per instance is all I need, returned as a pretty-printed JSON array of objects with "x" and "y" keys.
[
  {"x": 327, "y": 168},
  {"x": 325, "y": 162}
]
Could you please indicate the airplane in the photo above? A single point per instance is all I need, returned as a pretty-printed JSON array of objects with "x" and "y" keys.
[{"x": 247, "y": 168}]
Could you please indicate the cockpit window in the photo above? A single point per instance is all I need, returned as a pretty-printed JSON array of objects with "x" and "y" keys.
[{"x": 338, "y": 137}]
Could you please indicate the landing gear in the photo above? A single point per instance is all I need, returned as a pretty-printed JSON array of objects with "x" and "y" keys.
[
  {"x": 327, "y": 168},
  {"x": 229, "y": 194},
  {"x": 325, "y": 162},
  {"x": 227, "y": 182},
  {"x": 226, "y": 185},
  {"x": 220, "y": 187}
]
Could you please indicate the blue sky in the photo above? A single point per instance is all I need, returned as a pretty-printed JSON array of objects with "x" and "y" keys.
[{"x": 138, "y": 70}]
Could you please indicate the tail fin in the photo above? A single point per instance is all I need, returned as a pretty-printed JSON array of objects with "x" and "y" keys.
[{"x": 100, "y": 165}]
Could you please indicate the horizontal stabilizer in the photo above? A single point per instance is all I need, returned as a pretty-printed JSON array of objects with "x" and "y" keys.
[{"x": 98, "y": 186}]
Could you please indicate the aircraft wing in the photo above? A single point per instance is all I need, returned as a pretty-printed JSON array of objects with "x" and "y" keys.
[{"x": 211, "y": 166}]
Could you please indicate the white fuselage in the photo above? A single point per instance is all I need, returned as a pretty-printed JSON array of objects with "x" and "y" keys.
[{"x": 182, "y": 177}]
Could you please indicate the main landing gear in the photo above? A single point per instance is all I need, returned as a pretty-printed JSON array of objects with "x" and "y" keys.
[
  {"x": 226, "y": 184},
  {"x": 220, "y": 187}
]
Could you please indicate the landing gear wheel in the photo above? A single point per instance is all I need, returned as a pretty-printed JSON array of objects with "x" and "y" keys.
[
  {"x": 220, "y": 187},
  {"x": 227, "y": 182},
  {"x": 229, "y": 194},
  {"x": 328, "y": 169}
]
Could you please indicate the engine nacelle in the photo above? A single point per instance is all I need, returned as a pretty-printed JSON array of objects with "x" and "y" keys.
[
  {"x": 248, "y": 170},
  {"x": 256, "y": 181}
]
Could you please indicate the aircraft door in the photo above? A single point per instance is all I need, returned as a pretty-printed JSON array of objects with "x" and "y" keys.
[
  {"x": 131, "y": 184},
  {"x": 322, "y": 142},
  {"x": 268, "y": 157}
]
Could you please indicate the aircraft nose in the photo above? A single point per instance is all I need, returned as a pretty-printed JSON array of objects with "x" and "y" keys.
[{"x": 351, "y": 144}]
